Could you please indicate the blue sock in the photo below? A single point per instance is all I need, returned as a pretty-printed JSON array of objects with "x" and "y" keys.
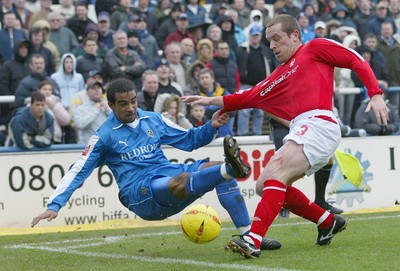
[
  {"x": 206, "y": 179},
  {"x": 232, "y": 200}
]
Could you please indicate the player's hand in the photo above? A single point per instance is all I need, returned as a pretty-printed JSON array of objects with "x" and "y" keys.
[
  {"x": 48, "y": 214},
  {"x": 196, "y": 100},
  {"x": 380, "y": 109},
  {"x": 219, "y": 120}
]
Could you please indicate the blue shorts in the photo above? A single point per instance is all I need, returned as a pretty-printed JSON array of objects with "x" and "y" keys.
[{"x": 140, "y": 200}]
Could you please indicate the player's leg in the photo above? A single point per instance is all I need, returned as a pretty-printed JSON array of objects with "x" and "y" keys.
[
  {"x": 232, "y": 200},
  {"x": 286, "y": 166}
]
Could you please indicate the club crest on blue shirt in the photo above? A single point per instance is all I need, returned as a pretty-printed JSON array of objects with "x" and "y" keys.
[{"x": 150, "y": 133}]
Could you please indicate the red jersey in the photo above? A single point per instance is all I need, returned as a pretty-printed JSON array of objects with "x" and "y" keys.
[{"x": 305, "y": 82}]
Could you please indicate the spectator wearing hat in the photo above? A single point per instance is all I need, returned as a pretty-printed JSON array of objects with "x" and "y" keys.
[
  {"x": 79, "y": 21},
  {"x": 307, "y": 31},
  {"x": 81, "y": 97},
  {"x": 89, "y": 60},
  {"x": 105, "y": 32},
  {"x": 89, "y": 116},
  {"x": 135, "y": 45},
  {"x": 121, "y": 14},
  {"x": 122, "y": 62},
  {"x": 168, "y": 26},
  {"x": 320, "y": 29},
  {"x": 227, "y": 27},
  {"x": 381, "y": 15},
  {"x": 143, "y": 9},
  {"x": 181, "y": 31},
  {"x": 256, "y": 17},
  {"x": 92, "y": 32},
  {"x": 165, "y": 84},
  {"x": 131, "y": 23},
  {"x": 255, "y": 63},
  {"x": 63, "y": 38},
  {"x": 362, "y": 15},
  {"x": 149, "y": 42}
]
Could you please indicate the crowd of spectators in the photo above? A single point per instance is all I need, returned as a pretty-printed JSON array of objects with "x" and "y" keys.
[{"x": 171, "y": 48}]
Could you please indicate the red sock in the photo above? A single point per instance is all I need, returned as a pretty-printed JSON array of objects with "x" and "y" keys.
[
  {"x": 299, "y": 204},
  {"x": 267, "y": 209}
]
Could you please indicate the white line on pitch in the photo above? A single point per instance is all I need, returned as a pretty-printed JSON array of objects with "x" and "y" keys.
[{"x": 155, "y": 259}]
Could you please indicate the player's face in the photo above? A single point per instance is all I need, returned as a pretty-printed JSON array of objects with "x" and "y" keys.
[
  {"x": 281, "y": 43},
  {"x": 125, "y": 106}
]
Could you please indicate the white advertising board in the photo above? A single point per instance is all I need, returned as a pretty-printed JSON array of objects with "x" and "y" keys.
[{"x": 27, "y": 180}]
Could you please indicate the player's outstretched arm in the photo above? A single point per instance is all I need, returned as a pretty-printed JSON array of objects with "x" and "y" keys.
[
  {"x": 218, "y": 101},
  {"x": 48, "y": 214},
  {"x": 380, "y": 109}
]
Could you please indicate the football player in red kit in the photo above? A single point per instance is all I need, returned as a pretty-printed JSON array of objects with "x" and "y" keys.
[{"x": 298, "y": 94}]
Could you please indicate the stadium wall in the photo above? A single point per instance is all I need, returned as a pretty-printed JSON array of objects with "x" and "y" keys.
[{"x": 27, "y": 180}]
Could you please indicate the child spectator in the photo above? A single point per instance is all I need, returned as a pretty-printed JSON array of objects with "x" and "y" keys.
[
  {"x": 56, "y": 110},
  {"x": 197, "y": 115},
  {"x": 171, "y": 111}
]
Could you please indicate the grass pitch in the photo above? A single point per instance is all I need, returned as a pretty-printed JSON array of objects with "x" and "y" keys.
[{"x": 370, "y": 242}]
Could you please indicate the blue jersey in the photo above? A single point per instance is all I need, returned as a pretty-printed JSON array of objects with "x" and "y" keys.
[{"x": 132, "y": 152}]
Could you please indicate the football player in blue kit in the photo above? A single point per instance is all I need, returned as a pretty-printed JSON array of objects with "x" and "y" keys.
[{"x": 152, "y": 187}]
